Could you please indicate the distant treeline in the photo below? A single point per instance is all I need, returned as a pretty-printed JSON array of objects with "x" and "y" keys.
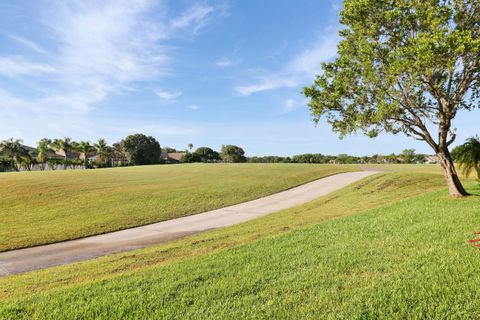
[
  {"x": 407, "y": 156},
  {"x": 136, "y": 149}
]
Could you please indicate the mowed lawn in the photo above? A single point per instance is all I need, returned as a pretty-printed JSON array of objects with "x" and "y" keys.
[
  {"x": 393, "y": 245},
  {"x": 44, "y": 207}
]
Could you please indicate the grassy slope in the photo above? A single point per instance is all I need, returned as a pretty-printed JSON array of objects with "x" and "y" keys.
[
  {"x": 45, "y": 207},
  {"x": 408, "y": 259},
  {"x": 368, "y": 193}
]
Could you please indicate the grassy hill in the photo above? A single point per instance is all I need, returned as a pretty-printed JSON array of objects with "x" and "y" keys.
[
  {"x": 391, "y": 246},
  {"x": 44, "y": 207}
]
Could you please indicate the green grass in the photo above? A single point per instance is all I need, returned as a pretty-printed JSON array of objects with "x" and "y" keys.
[
  {"x": 369, "y": 193},
  {"x": 405, "y": 259},
  {"x": 409, "y": 168},
  {"x": 44, "y": 207}
]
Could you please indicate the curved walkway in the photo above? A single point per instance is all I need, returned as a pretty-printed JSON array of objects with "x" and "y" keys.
[{"x": 22, "y": 260}]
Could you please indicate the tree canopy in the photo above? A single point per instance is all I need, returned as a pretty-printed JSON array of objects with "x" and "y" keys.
[
  {"x": 207, "y": 154},
  {"x": 140, "y": 149},
  {"x": 232, "y": 153},
  {"x": 403, "y": 66}
]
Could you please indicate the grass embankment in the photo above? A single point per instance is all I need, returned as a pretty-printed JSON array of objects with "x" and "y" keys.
[
  {"x": 278, "y": 265},
  {"x": 44, "y": 207},
  {"x": 408, "y": 259},
  {"x": 407, "y": 168}
]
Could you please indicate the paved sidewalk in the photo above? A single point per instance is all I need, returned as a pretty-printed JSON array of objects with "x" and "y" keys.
[{"x": 22, "y": 260}]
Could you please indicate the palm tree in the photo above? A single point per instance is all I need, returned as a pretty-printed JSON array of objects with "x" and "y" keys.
[
  {"x": 43, "y": 148},
  {"x": 103, "y": 150},
  {"x": 190, "y": 146},
  {"x": 84, "y": 147},
  {"x": 13, "y": 150},
  {"x": 64, "y": 145},
  {"x": 468, "y": 156},
  {"x": 27, "y": 162}
]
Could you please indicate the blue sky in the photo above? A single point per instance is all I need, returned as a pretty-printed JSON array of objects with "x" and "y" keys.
[{"x": 201, "y": 72}]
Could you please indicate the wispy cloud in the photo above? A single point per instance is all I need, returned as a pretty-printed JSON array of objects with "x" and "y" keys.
[
  {"x": 98, "y": 49},
  {"x": 167, "y": 95},
  {"x": 106, "y": 46},
  {"x": 296, "y": 71},
  {"x": 196, "y": 16},
  {"x": 264, "y": 83},
  {"x": 27, "y": 43},
  {"x": 18, "y": 66},
  {"x": 101, "y": 48}
]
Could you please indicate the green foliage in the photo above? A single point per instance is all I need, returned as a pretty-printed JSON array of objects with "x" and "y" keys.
[
  {"x": 269, "y": 159},
  {"x": 202, "y": 154},
  {"x": 103, "y": 152},
  {"x": 408, "y": 155},
  {"x": 468, "y": 156},
  {"x": 13, "y": 151},
  {"x": 140, "y": 149},
  {"x": 206, "y": 154},
  {"x": 403, "y": 66},
  {"x": 232, "y": 153},
  {"x": 43, "y": 151},
  {"x": 65, "y": 145},
  {"x": 5, "y": 164},
  {"x": 400, "y": 65},
  {"x": 190, "y": 158}
]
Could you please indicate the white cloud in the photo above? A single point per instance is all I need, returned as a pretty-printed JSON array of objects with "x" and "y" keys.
[
  {"x": 224, "y": 63},
  {"x": 167, "y": 95},
  {"x": 100, "y": 49},
  {"x": 268, "y": 82},
  {"x": 196, "y": 16},
  {"x": 27, "y": 43},
  {"x": 17, "y": 66},
  {"x": 193, "y": 107},
  {"x": 308, "y": 61},
  {"x": 296, "y": 71},
  {"x": 104, "y": 46}
]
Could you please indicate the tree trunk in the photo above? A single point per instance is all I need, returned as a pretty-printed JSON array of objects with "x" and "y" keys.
[{"x": 455, "y": 187}]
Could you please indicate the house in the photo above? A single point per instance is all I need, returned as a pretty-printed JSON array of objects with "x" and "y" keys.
[
  {"x": 70, "y": 154},
  {"x": 171, "y": 157},
  {"x": 431, "y": 160}
]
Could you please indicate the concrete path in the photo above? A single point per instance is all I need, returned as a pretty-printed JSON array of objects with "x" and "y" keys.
[{"x": 22, "y": 260}]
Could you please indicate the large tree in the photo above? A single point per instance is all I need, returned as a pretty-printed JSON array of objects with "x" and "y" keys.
[
  {"x": 141, "y": 149},
  {"x": 206, "y": 154},
  {"x": 403, "y": 66},
  {"x": 232, "y": 153}
]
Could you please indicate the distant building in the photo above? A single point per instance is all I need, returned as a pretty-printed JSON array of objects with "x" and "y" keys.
[
  {"x": 70, "y": 154},
  {"x": 172, "y": 157},
  {"x": 431, "y": 160}
]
